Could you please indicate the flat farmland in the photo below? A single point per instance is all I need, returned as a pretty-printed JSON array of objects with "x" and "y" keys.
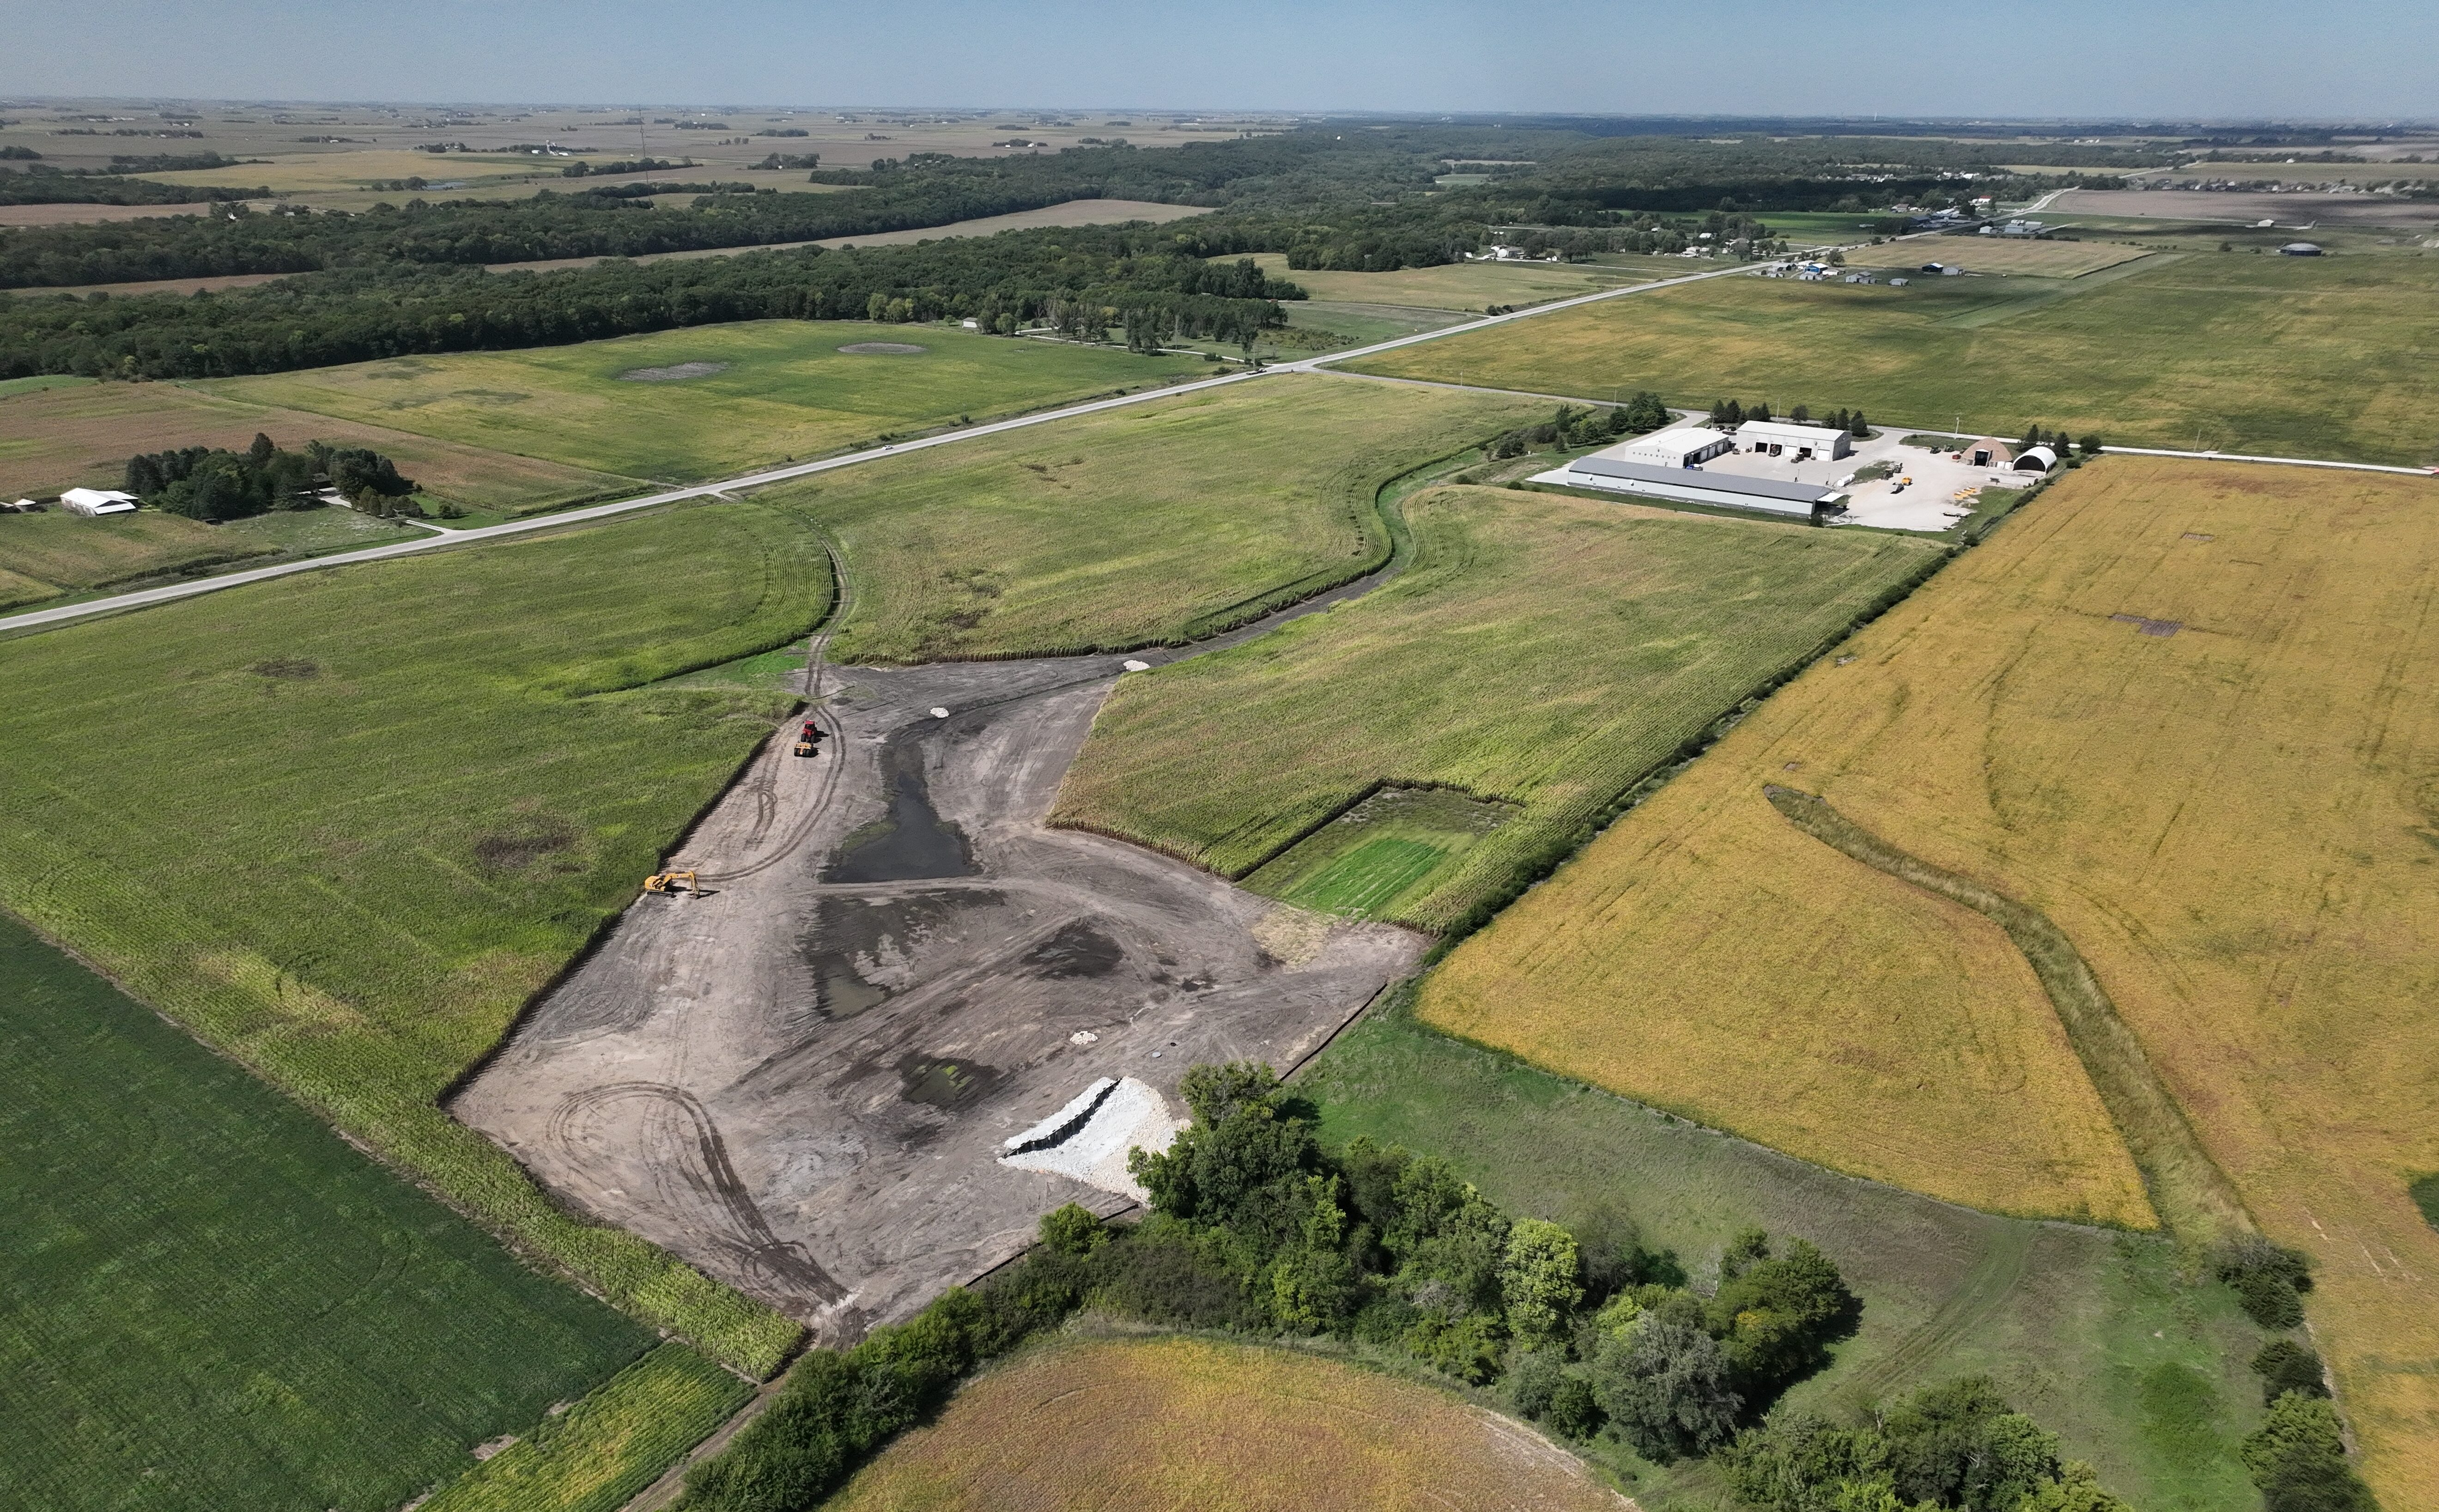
[
  {"x": 2104, "y": 1338},
  {"x": 1135, "y": 527},
  {"x": 598, "y": 1454},
  {"x": 1069, "y": 212},
  {"x": 304, "y": 172},
  {"x": 2015, "y": 255},
  {"x": 63, "y": 437},
  {"x": 1457, "y": 285},
  {"x": 1231, "y": 1428},
  {"x": 2294, "y": 356},
  {"x": 1540, "y": 652},
  {"x": 55, "y": 552},
  {"x": 711, "y": 399},
  {"x": 400, "y": 796},
  {"x": 2175, "y": 707},
  {"x": 214, "y": 1302}
]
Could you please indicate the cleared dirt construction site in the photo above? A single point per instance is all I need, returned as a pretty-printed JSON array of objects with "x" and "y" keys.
[{"x": 804, "y": 1074}]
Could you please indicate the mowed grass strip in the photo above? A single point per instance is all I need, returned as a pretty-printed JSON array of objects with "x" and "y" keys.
[
  {"x": 2180, "y": 708},
  {"x": 214, "y": 1302},
  {"x": 1136, "y": 526},
  {"x": 782, "y": 389},
  {"x": 343, "y": 824},
  {"x": 1543, "y": 650},
  {"x": 1231, "y": 1428},
  {"x": 59, "y": 438},
  {"x": 598, "y": 1454},
  {"x": 2109, "y": 1338},
  {"x": 2315, "y": 357}
]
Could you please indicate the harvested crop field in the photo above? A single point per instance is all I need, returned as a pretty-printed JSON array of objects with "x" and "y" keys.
[
  {"x": 1133, "y": 526},
  {"x": 2284, "y": 356},
  {"x": 386, "y": 822},
  {"x": 2015, "y": 255},
  {"x": 1459, "y": 285},
  {"x": 783, "y": 389},
  {"x": 1069, "y": 212},
  {"x": 1541, "y": 653},
  {"x": 213, "y": 1302},
  {"x": 82, "y": 437},
  {"x": 1230, "y": 1428},
  {"x": 2230, "y": 822}
]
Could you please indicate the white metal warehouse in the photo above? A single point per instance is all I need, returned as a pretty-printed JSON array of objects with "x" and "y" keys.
[
  {"x": 1805, "y": 441},
  {"x": 1694, "y": 486},
  {"x": 1680, "y": 448}
]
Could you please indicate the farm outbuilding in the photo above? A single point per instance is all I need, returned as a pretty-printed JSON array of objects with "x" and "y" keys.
[
  {"x": 1989, "y": 452},
  {"x": 98, "y": 501},
  {"x": 1684, "y": 446},
  {"x": 1779, "y": 437},
  {"x": 1693, "y": 485},
  {"x": 2300, "y": 249},
  {"x": 2035, "y": 459}
]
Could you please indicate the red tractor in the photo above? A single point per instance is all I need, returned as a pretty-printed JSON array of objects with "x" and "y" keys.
[{"x": 808, "y": 739}]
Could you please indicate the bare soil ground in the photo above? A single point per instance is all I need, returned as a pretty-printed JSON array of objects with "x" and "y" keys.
[{"x": 800, "y": 1077}]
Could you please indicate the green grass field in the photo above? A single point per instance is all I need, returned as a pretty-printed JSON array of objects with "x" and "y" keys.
[
  {"x": 57, "y": 552},
  {"x": 2292, "y": 356},
  {"x": 1140, "y": 525},
  {"x": 784, "y": 390},
  {"x": 598, "y": 1454},
  {"x": 1371, "y": 859},
  {"x": 352, "y": 820},
  {"x": 214, "y": 1302},
  {"x": 2092, "y": 1333},
  {"x": 1543, "y": 651}
]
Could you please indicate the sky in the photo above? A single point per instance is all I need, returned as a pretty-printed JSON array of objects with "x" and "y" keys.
[{"x": 2137, "y": 58}]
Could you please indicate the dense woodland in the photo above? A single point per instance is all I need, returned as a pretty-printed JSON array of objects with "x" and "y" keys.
[
  {"x": 212, "y": 484},
  {"x": 1256, "y": 1230},
  {"x": 409, "y": 279}
]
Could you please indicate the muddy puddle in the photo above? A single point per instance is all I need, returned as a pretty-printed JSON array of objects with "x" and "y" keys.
[{"x": 914, "y": 842}]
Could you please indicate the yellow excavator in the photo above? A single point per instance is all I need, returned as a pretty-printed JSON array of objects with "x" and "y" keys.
[{"x": 667, "y": 882}]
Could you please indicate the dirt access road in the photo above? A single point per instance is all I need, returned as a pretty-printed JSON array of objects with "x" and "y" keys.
[{"x": 800, "y": 1078}]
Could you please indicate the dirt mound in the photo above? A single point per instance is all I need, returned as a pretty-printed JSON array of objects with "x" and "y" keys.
[
  {"x": 881, "y": 348},
  {"x": 286, "y": 669},
  {"x": 676, "y": 374}
]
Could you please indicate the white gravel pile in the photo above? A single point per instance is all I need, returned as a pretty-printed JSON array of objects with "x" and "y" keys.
[{"x": 1088, "y": 1140}]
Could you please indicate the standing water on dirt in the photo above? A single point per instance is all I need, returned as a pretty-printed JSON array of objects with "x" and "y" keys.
[{"x": 913, "y": 842}]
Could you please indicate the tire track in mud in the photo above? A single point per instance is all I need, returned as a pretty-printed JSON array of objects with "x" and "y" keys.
[{"x": 783, "y": 1264}]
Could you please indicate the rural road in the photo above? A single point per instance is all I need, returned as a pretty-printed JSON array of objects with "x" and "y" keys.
[{"x": 62, "y": 613}]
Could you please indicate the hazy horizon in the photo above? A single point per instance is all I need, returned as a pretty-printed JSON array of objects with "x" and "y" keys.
[{"x": 2176, "y": 62}]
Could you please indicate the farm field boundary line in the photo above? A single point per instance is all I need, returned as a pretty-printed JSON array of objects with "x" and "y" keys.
[
  {"x": 60, "y": 614},
  {"x": 2192, "y": 1194}
]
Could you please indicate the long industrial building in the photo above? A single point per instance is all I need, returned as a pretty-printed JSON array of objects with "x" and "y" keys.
[{"x": 1694, "y": 486}]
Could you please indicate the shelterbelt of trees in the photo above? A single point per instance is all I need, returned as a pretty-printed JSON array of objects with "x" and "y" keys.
[{"x": 1078, "y": 278}]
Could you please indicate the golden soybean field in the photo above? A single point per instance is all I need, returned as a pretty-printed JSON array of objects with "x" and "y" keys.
[
  {"x": 2184, "y": 709},
  {"x": 1217, "y": 1427}
]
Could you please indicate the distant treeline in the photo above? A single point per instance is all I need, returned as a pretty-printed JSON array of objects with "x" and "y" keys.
[
  {"x": 1319, "y": 196},
  {"x": 45, "y": 185},
  {"x": 1160, "y": 275}
]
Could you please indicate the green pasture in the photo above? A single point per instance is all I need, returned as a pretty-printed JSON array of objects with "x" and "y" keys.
[
  {"x": 784, "y": 392},
  {"x": 2099, "y": 1335},
  {"x": 352, "y": 820},
  {"x": 1541, "y": 650},
  {"x": 1370, "y": 859},
  {"x": 214, "y": 1302},
  {"x": 2323, "y": 357},
  {"x": 598, "y": 1454},
  {"x": 1148, "y": 524}
]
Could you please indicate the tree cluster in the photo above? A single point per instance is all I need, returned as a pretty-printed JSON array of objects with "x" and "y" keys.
[
  {"x": 44, "y": 185},
  {"x": 1955, "y": 1446},
  {"x": 355, "y": 315},
  {"x": 1572, "y": 427},
  {"x": 210, "y": 484},
  {"x": 2058, "y": 441}
]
